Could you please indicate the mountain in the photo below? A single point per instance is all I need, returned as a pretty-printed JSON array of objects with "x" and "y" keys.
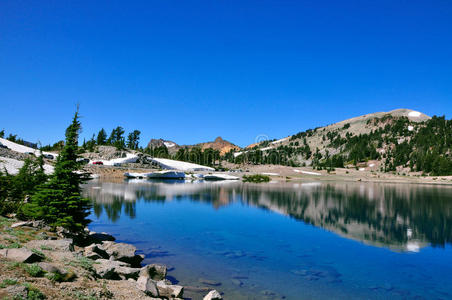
[
  {"x": 401, "y": 140},
  {"x": 218, "y": 144}
]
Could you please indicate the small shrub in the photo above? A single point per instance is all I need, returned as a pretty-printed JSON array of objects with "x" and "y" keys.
[
  {"x": 33, "y": 270},
  {"x": 33, "y": 293},
  {"x": 37, "y": 252},
  {"x": 257, "y": 178}
]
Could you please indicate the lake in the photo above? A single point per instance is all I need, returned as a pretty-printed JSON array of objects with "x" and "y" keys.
[{"x": 309, "y": 240}]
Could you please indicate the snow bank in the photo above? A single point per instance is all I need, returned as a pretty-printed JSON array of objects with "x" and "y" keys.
[
  {"x": 23, "y": 149},
  {"x": 307, "y": 172},
  {"x": 280, "y": 141},
  {"x": 220, "y": 177},
  {"x": 12, "y": 166},
  {"x": 169, "y": 144},
  {"x": 410, "y": 128},
  {"x": 180, "y": 165},
  {"x": 130, "y": 158},
  {"x": 270, "y": 174}
]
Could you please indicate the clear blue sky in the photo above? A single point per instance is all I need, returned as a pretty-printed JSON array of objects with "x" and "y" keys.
[{"x": 189, "y": 71}]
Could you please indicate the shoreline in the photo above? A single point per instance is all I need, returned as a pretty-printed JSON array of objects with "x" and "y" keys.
[{"x": 61, "y": 265}]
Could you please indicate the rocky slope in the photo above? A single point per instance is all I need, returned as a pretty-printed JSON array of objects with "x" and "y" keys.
[{"x": 218, "y": 144}]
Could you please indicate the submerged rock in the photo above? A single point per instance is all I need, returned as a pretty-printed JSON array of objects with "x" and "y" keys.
[
  {"x": 213, "y": 295},
  {"x": 22, "y": 255},
  {"x": 209, "y": 282}
]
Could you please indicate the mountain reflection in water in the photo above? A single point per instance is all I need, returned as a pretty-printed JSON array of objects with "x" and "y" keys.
[{"x": 396, "y": 216}]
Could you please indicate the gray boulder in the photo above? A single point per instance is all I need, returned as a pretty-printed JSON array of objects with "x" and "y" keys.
[
  {"x": 213, "y": 295},
  {"x": 122, "y": 252},
  {"x": 94, "y": 252},
  {"x": 20, "y": 255},
  {"x": 111, "y": 269},
  {"x": 169, "y": 290},
  {"x": 154, "y": 271},
  {"x": 100, "y": 237},
  {"x": 20, "y": 224},
  {"x": 148, "y": 286}
]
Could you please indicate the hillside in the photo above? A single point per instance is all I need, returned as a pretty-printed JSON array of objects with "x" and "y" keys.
[{"x": 401, "y": 140}]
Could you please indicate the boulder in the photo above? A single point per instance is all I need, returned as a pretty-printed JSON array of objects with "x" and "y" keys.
[
  {"x": 213, "y": 295},
  {"x": 50, "y": 268},
  {"x": 20, "y": 255},
  {"x": 107, "y": 268},
  {"x": 94, "y": 252},
  {"x": 18, "y": 291},
  {"x": 100, "y": 237},
  {"x": 148, "y": 286},
  {"x": 59, "y": 245},
  {"x": 169, "y": 290},
  {"x": 122, "y": 252},
  {"x": 154, "y": 271},
  {"x": 111, "y": 269}
]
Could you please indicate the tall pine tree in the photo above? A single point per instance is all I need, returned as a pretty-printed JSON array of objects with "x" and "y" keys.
[{"x": 58, "y": 201}]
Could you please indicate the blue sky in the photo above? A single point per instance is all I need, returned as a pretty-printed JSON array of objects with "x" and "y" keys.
[{"x": 190, "y": 71}]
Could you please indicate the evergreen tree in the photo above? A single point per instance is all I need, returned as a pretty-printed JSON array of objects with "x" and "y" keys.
[
  {"x": 117, "y": 138},
  {"x": 133, "y": 139},
  {"x": 58, "y": 201},
  {"x": 101, "y": 137},
  {"x": 2, "y": 133}
]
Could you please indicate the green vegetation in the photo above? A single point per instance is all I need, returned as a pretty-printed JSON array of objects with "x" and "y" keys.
[
  {"x": 257, "y": 178},
  {"x": 55, "y": 199},
  {"x": 8, "y": 282},
  {"x": 58, "y": 201},
  {"x": 33, "y": 270}
]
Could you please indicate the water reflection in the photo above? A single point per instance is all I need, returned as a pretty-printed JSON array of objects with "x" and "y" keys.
[{"x": 399, "y": 217}]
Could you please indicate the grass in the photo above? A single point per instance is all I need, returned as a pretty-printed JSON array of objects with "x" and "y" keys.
[
  {"x": 257, "y": 178},
  {"x": 8, "y": 282},
  {"x": 10, "y": 246},
  {"x": 44, "y": 247}
]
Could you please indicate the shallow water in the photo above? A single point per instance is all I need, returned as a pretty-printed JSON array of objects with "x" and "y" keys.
[{"x": 287, "y": 241}]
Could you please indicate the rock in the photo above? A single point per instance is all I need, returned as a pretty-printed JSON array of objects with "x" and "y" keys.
[
  {"x": 122, "y": 252},
  {"x": 148, "y": 286},
  {"x": 237, "y": 282},
  {"x": 154, "y": 271},
  {"x": 100, "y": 237},
  {"x": 111, "y": 269},
  {"x": 59, "y": 245},
  {"x": 50, "y": 268},
  {"x": 107, "y": 268},
  {"x": 169, "y": 290},
  {"x": 128, "y": 272},
  {"x": 213, "y": 295},
  {"x": 20, "y": 255},
  {"x": 94, "y": 252},
  {"x": 209, "y": 282},
  {"x": 62, "y": 232},
  {"x": 20, "y": 224}
]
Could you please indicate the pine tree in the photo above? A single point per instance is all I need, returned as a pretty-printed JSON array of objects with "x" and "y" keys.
[
  {"x": 58, "y": 201},
  {"x": 102, "y": 137}
]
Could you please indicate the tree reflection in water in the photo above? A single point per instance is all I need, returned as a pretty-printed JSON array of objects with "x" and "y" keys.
[{"x": 400, "y": 217}]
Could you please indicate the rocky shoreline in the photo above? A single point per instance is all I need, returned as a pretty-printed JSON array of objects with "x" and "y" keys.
[{"x": 74, "y": 263}]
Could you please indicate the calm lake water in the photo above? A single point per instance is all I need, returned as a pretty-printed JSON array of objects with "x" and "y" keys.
[{"x": 287, "y": 241}]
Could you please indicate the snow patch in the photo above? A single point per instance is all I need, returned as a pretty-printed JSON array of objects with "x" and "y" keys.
[
  {"x": 410, "y": 128},
  {"x": 130, "y": 158},
  {"x": 12, "y": 166},
  {"x": 180, "y": 165},
  {"x": 271, "y": 174},
  {"x": 280, "y": 141},
  {"x": 414, "y": 114},
  {"x": 23, "y": 149},
  {"x": 307, "y": 172},
  {"x": 169, "y": 144}
]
